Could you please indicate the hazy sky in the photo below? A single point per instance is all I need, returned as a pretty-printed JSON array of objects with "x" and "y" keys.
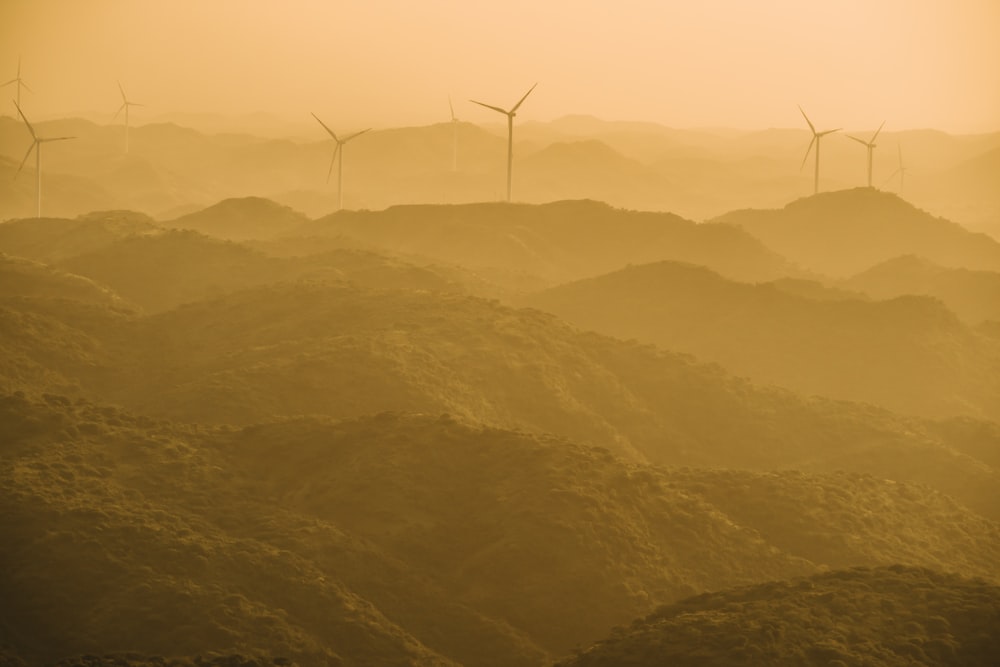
[{"x": 737, "y": 63}]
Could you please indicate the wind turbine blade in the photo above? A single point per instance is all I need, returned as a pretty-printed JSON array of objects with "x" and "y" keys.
[
  {"x": 808, "y": 150},
  {"x": 452, "y": 107},
  {"x": 55, "y": 138},
  {"x": 808, "y": 121},
  {"x": 30, "y": 148},
  {"x": 30, "y": 129},
  {"x": 346, "y": 139},
  {"x": 876, "y": 132},
  {"x": 124, "y": 104},
  {"x": 891, "y": 176},
  {"x": 124, "y": 99},
  {"x": 521, "y": 101},
  {"x": 136, "y": 104},
  {"x": 860, "y": 141},
  {"x": 490, "y": 106},
  {"x": 9, "y": 82},
  {"x": 331, "y": 133},
  {"x": 24, "y": 85}
]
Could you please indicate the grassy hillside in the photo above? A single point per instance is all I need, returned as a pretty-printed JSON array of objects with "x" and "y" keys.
[
  {"x": 908, "y": 354},
  {"x": 846, "y": 232},
  {"x": 886, "y": 616}
]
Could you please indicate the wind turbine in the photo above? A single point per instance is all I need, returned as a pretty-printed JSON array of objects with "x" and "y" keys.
[
  {"x": 815, "y": 140},
  {"x": 36, "y": 145},
  {"x": 454, "y": 137},
  {"x": 901, "y": 170},
  {"x": 870, "y": 145},
  {"x": 338, "y": 152},
  {"x": 19, "y": 81},
  {"x": 125, "y": 105},
  {"x": 510, "y": 131}
]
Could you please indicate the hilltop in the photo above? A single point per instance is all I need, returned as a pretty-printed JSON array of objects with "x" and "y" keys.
[
  {"x": 241, "y": 219},
  {"x": 843, "y": 233}
]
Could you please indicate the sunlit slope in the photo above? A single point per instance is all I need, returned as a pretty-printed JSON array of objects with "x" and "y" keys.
[
  {"x": 973, "y": 295},
  {"x": 401, "y": 539},
  {"x": 909, "y": 354},
  {"x": 886, "y": 616},
  {"x": 557, "y": 242},
  {"x": 843, "y": 233}
]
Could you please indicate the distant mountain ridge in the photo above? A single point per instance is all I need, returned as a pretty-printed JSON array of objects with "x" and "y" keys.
[{"x": 843, "y": 233}]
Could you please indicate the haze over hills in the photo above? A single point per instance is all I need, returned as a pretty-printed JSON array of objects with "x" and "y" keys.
[
  {"x": 698, "y": 174},
  {"x": 247, "y": 432},
  {"x": 843, "y": 233},
  {"x": 909, "y": 354},
  {"x": 972, "y": 295}
]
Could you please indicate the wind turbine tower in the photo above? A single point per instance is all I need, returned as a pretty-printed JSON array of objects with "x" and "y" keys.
[
  {"x": 510, "y": 131},
  {"x": 125, "y": 105},
  {"x": 815, "y": 140},
  {"x": 901, "y": 170},
  {"x": 19, "y": 81},
  {"x": 338, "y": 152},
  {"x": 36, "y": 145},
  {"x": 870, "y": 145},
  {"x": 454, "y": 137}
]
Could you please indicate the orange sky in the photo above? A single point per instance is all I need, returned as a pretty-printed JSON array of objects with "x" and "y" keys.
[{"x": 736, "y": 63}]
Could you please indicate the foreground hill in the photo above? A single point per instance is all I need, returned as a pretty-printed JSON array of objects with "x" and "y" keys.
[
  {"x": 973, "y": 295},
  {"x": 399, "y": 539},
  {"x": 556, "y": 242},
  {"x": 909, "y": 354},
  {"x": 886, "y": 616},
  {"x": 846, "y": 232}
]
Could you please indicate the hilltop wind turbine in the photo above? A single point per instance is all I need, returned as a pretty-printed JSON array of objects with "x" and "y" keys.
[
  {"x": 36, "y": 145},
  {"x": 454, "y": 136},
  {"x": 19, "y": 81},
  {"x": 870, "y": 145},
  {"x": 510, "y": 131},
  {"x": 125, "y": 105},
  {"x": 338, "y": 152},
  {"x": 901, "y": 170},
  {"x": 815, "y": 140}
]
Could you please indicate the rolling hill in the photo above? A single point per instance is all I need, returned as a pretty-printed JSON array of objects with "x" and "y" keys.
[
  {"x": 556, "y": 242},
  {"x": 972, "y": 295},
  {"x": 885, "y": 616},
  {"x": 909, "y": 354},
  {"x": 399, "y": 539},
  {"x": 241, "y": 219},
  {"x": 843, "y": 233}
]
